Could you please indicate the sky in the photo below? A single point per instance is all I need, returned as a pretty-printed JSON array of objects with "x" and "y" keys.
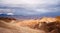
[{"x": 30, "y": 7}]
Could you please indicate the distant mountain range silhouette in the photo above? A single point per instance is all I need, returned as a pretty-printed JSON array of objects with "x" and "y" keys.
[{"x": 3, "y": 15}]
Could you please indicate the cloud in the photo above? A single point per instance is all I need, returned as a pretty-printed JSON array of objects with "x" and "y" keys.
[
  {"x": 29, "y": 1},
  {"x": 22, "y": 1},
  {"x": 7, "y": 11},
  {"x": 31, "y": 7},
  {"x": 10, "y": 14}
]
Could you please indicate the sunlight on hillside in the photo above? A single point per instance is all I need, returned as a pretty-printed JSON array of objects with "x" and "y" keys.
[{"x": 11, "y": 25}]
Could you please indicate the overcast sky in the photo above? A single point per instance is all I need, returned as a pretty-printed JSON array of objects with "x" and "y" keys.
[{"x": 29, "y": 7}]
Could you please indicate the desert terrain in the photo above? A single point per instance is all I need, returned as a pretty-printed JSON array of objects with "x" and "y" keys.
[{"x": 42, "y": 25}]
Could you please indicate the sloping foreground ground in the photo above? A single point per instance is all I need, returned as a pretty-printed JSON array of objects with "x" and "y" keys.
[
  {"x": 22, "y": 30},
  {"x": 13, "y": 28}
]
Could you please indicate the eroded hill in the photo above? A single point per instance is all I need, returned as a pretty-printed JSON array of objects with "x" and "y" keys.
[
  {"x": 7, "y": 27},
  {"x": 43, "y": 25}
]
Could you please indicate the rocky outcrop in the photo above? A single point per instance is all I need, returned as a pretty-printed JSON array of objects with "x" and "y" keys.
[{"x": 52, "y": 27}]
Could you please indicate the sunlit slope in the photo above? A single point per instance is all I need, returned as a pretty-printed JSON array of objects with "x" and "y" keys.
[
  {"x": 33, "y": 22},
  {"x": 7, "y": 27}
]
